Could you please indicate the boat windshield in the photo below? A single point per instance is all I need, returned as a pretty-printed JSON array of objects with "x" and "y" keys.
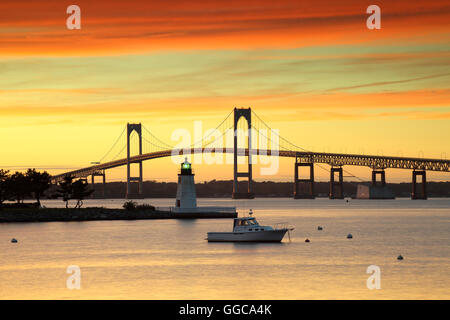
[{"x": 247, "y": 222}]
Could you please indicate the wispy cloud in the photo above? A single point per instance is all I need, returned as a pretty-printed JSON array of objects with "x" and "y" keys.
[
  {"x": 387, "y": 83},
  {"x": 38, "y": 27}
]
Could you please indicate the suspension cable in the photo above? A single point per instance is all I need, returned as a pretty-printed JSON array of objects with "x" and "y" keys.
[
  {"x": 156, "y": 138},
  {"x": 303, "y": 149},
  {"x": 204, "y": 138},
  {"x": 110, "y": 149}
]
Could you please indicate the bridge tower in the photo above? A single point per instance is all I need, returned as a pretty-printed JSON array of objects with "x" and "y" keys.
[
  {"x": 130, "y": 194},
  {"x": 423, "y": 194},
  {"x": 379, "y": 189},
  {"x": 102, "y": 174},
  {"x": 307, "y": 183},
  {"x": 382, "y": 174},
  {"x": 339, "y": 185},
  {"x": 247, "y": 114}
]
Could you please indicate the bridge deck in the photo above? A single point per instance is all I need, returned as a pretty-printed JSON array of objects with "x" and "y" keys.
[{"x": 333, "y": 159}]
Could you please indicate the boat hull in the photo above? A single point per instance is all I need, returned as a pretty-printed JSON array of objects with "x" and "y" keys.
[{"x": 251, "y": 236}]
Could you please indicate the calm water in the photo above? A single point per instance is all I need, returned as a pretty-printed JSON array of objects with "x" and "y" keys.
[{"x": 169, "y": 259}]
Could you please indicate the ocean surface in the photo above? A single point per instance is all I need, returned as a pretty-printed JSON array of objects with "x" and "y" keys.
[{"x": 169, "y": 259}]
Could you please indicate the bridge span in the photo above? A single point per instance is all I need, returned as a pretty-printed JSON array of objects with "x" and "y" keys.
[
  {"x": 303, "y": 158},
  {"x": 332, "y": 159}
]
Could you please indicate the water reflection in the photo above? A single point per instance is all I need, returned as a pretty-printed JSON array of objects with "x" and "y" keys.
[{"x": 169, "y": 259}]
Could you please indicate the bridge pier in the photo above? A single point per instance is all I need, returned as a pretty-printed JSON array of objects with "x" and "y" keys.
[
  {"x": 382, "y": 174},
  {"x": 336, "y": 187},
  {"x": 247, "y": 114},
  {"x": 380, "y": 190},
  {"x": 99, "y": 174},
  {"x": 423, "y": 193},
  {"x": 140, "y": 192},
  {"x": 307, "y": 183}
]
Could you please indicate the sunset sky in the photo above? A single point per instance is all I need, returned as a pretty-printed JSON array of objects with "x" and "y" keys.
[{"x": 312, "y": 69}]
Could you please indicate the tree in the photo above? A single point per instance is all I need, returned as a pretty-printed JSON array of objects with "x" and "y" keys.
[
  {"x": 77, "y": 190},
  {"x": 80, "y": 190},
  {"x": 3, "y": 185},
  {"x": 129, "y": 205},
  {"x": 39, "y": 183},
  {"x": 19, "y": 186},
  {"x": 65, "y": 189}
]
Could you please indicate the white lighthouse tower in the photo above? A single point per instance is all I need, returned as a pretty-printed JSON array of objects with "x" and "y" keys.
[
  {"x": 186, "y": 196},
  {"x": 186, "y": 203}
]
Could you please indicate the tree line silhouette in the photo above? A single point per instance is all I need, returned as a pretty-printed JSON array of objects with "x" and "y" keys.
[
  {"x": 272, "y": 189},
  {"x": 19, "y": 186}
]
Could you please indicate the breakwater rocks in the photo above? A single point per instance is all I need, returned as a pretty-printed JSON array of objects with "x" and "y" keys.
[{"x": 90, "y": 214}]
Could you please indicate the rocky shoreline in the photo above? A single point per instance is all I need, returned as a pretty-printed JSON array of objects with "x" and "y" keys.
[{"x": 94, "y": 214}]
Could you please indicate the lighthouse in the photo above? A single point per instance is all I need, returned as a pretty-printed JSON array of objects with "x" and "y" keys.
[
  {"x": 186, "y": 196},
  {"x": 186, "y": 203}
]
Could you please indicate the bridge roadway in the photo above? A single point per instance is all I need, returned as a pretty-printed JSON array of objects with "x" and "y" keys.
[{"x": 332, "y": 159}]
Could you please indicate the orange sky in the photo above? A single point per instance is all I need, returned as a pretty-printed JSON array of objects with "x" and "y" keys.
[
  {"x": 311, "y": 67},
  {"x": 36, "y": 27}
]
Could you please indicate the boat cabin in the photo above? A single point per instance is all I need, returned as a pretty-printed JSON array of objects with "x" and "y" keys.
[{"x": 247, "y": 224}]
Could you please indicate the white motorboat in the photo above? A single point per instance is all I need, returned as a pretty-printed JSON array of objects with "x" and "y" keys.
[{"x": 247, "y": 229}]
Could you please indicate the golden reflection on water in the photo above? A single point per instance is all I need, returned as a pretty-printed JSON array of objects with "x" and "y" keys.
[{"x": 168, "y": 259}]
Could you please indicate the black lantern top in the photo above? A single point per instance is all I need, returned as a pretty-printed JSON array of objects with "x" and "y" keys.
[{"x": 186, "y": 167}]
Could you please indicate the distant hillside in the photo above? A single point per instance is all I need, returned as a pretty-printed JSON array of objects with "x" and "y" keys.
[{"x": 218, "y": 189}]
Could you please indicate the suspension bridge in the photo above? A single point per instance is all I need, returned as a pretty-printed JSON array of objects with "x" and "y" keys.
[{"x": 135, "y": 136}]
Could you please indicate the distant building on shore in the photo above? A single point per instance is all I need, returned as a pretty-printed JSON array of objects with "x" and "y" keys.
[{"x": 374, "y": 192}]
